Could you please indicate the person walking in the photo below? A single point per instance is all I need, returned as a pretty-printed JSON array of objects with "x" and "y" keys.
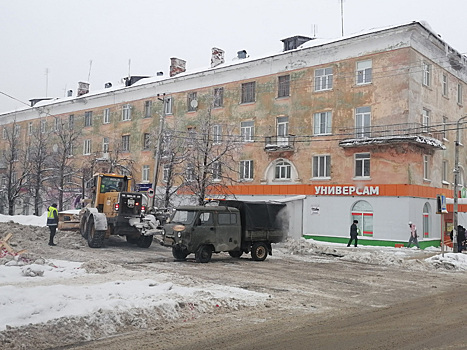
[
  {"x": 460, "y": 238},
  {"x": 413, "y": 235},
  {"x": 353, "y": 233},
  {"x": 52, "y": 222}
]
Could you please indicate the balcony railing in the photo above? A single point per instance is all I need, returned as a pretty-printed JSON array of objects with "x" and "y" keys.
[
  {"x": 386, "y": 134},
  {"x": 279, "y": 143}
]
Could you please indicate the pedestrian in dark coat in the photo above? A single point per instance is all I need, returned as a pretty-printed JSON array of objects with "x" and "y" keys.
[
  {"x": 353, "y": 233},
  {"x": 52, "y": 222},
  {"x": 460, "y": 237}
]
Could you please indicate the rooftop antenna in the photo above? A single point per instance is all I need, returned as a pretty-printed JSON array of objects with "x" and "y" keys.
[
  {"x": 129, "y": 66},
  {"x": 89, "y": 73},
  {"x": 313, "y": 29},
  {"x": 342, "y": 16}
]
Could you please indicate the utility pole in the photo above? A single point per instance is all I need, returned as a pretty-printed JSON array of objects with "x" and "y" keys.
[
  {"x": 456, "y": 181},
  {"x": 159, "y": 146}
]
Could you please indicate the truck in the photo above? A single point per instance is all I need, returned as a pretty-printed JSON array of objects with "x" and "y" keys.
[
  {"x": 232, "y": 226},
  {"x": 115, "y": 210}
]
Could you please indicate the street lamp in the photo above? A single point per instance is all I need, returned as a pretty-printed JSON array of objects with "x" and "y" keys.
[{"x": 456, "y": 181}]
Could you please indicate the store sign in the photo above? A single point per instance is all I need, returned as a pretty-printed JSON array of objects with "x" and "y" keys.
[{"x": 347, "y": 190}]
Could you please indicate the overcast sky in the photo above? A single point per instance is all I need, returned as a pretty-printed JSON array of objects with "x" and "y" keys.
[{"x": 64, "y": 37}]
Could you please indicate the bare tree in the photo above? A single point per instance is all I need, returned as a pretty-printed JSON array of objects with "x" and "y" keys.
[
  {"x": 210, "y": 162},
  {"x": 16, "y": 166}
]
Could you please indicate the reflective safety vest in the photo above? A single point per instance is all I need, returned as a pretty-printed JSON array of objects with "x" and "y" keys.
[{"x": 52, "y": 216}]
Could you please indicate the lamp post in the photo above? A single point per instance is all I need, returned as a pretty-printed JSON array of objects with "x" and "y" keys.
[
  {"x": 158, "y": 148},
  {"x": 456, "y": 181}
]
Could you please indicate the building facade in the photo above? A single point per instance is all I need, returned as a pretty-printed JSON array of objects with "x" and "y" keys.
[{"x": 363, "y": 127}]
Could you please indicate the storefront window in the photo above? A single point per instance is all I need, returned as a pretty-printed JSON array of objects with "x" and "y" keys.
[
  {"x": 426, "y": 220},
  {"x": 363, "y": 212}
]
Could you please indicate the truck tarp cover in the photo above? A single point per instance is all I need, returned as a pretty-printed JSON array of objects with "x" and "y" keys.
[{"x": 259, "y": 215}]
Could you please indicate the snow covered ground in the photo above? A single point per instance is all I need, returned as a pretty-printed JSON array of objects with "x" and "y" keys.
[{"x": 42, "y": 290}]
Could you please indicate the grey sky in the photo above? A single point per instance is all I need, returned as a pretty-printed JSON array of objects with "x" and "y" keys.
[{"x": 64, "y": 36}]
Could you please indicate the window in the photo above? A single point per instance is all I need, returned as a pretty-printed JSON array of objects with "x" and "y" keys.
[
  {"x": 322, "y": 123},
  {"x": 145, "y": 173},
  {"x": 88, "y": 118},
  {"x": 445, "y": 128},
  {"x": 216, "y": 171},
  {"x": 126, "y": 112},
  {"x": 147, "y": 108},
  {"x": 322, "y": 166},
  {"x": 30, "y": 128},
  {"x": 364, "y": 72},
  {"x": 362, "y": 121},
  {"x": 227, "y": 219},
  {"x": 284, "y": 86},
  {"x": 70, "y": 150},
  {"x": 106, "y": 118},
  {"x": 168, "y": 105},
  {"x": 444, "y": 83},
  {"x": 248, "y": 92},
  {"x": 363, "y": 212},
  {"x": 362, "y": 165},
  {"x": 56, "y": 124},
  {"x": 105, "y": 145},
  {"x": 71, "y": 122},
  {"x": 426, "y": 74},
  {"x": 191, "y": 136},
  {"x": 444, "y": 174},
  {"x": 426, "y": 167},
  {"x": 192, "y": 103},
  {"x": 247, "y": 130},
  {"x": 246, "y": 170},
  {"x": 43, "y": 126},
  {"x": 459, "y": 94},
  {"x": 146, "y": 141},
  {"x": 5, "y": 134},
  {"x": 87, "y": 147},
  {"x": 217, "y": 133},
  {"x": 126, "y": 143},
  {"x": 323, "y": 79},
  {"x": 283, "y": 170},
  {"x": 425, "y": 120},
  {"x": 17, "y": 130},
  {"x": 282, "y": 130},
  {"x": 218, "y": 97}
]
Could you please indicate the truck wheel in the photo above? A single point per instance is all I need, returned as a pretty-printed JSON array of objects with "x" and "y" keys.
[
  {"x": 144, "y": 241},
  {"x": 131, "y": 239},
  {"x": 259, "y": 251},
  {"x": 179, "y": 253},
  {"x": 203, "y": 254},
  {"x": 95, "y": 237},
  {"x": 82, "y": 228},
  {"x": 236, "y": 253}
]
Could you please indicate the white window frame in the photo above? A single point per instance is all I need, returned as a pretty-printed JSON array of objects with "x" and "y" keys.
[
  {"x": 125, "y": 143},
  {"x": 460, "y": 99},
  {"x": 106, "y": 116},
  {"x": 30, "y": 128},
  {"x": 283, "y": 170},
  {"x": 426, "y": 120},
  {"x": 192, "y": 96},
  {"x": 247, "y": 130},
  {"x": 145, "y": 173},
  {"x": 87, "y": 119},
  {"x": 362, "y": 165},
  {"x": 426, "y": 68},
  {"x": 105, "y": 145},
  {"x": 217, "y": 171},
  {"x": 168, "y": 105},
  {"x": 87, "y": 147},
  {"x": 218, "y": 97},
  {"x": 364, "y": 72},
  {"x": 445, "y": 86},
  {"x": 445, "y": 172},
  {"x": 147, "y": 109},
  {"x": 246, "y": 170},
  {"x": 248, "y": 94},
  {"x": 363, "y": 121},
  {"x": 426, "y": 167},
  {"x": 146, "y": 141},
  {"x": 283, "y": 86},
  {"x": 445, "y": 127},
  {"x": 126, "y": 112},
  {"x": 17, "y": 130},
  {"x": 5, "y": 134},
  {"x": 322, "y": 166},
  {"x": 165, "y": 172},
  {"x": 71, "y": 122},
  {"x": 43, "y": 126},
  {"x": 323, "y": 79},
  {"x": 217, "y": 134},
  {"x": 322, "y": 123}
]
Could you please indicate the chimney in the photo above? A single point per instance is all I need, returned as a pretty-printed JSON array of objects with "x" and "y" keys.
[
  {"x": 177, "y": 66},
  {"x": 83, "y": 88},
  {"x": 217, "y": 57},
  {"x": 241, "y": 54}
]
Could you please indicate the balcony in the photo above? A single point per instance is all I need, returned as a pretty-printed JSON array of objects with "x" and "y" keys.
[
  {"x": 279, "y": 143},
  {"x": 415, "y": 133}
]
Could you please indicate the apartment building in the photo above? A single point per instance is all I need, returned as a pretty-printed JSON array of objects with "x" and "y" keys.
[{"x": 363, "y": 127}]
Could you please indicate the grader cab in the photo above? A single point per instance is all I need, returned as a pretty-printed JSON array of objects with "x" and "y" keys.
[{"x": 115, "y": 210}]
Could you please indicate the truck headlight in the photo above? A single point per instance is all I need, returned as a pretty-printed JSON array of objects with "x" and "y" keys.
[{"x": 179, "y": 234}]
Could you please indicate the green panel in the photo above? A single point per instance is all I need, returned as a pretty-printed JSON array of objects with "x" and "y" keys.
[{"x": 372, "y": 242}]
